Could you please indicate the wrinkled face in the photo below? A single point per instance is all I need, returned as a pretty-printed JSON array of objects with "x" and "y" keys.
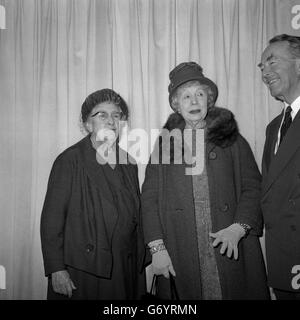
[
  {"x": 105, "y": 115},
  {"x": 192, "y": 102},
  {"x": 281, "y": 71}
]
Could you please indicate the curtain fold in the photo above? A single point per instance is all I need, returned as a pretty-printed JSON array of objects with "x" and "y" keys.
[{"x": 53, "y": 53}]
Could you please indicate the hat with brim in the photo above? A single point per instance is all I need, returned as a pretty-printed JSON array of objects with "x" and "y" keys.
[{"x": 189, "y": 71}]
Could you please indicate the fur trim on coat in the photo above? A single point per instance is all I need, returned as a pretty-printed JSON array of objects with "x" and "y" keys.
[{"x": 222, "y": 129}]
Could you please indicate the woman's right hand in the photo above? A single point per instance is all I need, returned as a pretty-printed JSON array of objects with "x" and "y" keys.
[
  {"x": 62, "y": 283},
  {"x": 162, "y": 264}
]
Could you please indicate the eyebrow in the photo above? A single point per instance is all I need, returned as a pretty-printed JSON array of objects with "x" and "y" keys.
[
  {"x": 93, "y": 115},
  {"x": 268, "y": 59}
]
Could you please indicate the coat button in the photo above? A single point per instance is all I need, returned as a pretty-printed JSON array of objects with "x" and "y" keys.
[
  {"x": 293, "y": 228},
  {"x": 225, "y": 207},
  {"x": 89, "y": 248},
  {"x": 212, "y": 155},
  {"x": 292, "y": 202}
]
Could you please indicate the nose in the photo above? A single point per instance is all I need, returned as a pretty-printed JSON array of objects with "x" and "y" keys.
[
  {"x": 110, "y": 120},
  {"x": 266, "y": 71},
  {"x": 194, "y": 99}
]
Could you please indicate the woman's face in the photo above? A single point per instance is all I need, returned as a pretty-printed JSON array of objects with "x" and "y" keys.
[
  {"x": 104, "y": 116},
  {"x": 192, "y": 102}
]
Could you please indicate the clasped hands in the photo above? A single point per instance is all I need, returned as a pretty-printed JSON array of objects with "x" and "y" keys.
[{"x": 229, "y": 237}]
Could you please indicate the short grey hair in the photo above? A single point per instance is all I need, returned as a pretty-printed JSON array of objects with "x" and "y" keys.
[{"x": 294, "y": 43}]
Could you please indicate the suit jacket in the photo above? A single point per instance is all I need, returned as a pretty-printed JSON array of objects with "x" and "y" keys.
[
  {"x": 79, "y": 214},
  {"x": 281, "y": 203}
]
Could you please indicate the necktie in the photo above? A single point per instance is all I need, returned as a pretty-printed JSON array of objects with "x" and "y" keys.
[{"x": 286, "y": 123}]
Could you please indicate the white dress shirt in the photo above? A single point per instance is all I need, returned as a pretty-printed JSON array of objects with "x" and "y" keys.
[{"x": 295, "y": 108}]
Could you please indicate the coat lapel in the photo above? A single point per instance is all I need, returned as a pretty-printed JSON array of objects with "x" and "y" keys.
[
  {"x": 288, "y": 147},
  {"x": 184, "y": 183},
  {"x": 95, "y": 173},
  {"x": 130, "y": 175},
  {"x": 94, "y": 169}
]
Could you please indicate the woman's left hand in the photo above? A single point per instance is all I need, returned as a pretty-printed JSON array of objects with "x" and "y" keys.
[{"x": 229, "y": 237}]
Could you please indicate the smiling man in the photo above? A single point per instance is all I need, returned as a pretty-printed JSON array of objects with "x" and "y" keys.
[{"x": 280, "y": 67}]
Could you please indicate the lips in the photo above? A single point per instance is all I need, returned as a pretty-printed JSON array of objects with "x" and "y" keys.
[
  {"x": 196, "y": 111},
  {"x": 272, "y": 81}
]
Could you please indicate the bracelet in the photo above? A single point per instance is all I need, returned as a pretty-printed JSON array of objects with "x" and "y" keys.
[
  {"x": 156, "y": 248},
  {"x": 246, "y": 228}
]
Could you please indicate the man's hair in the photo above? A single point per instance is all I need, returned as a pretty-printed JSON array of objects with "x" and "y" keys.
[{"x": 294, "y": 43}]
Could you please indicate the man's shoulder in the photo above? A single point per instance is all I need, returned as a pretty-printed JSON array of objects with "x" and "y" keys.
[{"x": 275, "y": 122}]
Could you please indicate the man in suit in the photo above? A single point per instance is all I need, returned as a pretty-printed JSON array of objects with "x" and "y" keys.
[{"x": 280, "y": 67}]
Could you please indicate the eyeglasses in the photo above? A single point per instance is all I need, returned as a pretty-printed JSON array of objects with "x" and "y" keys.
[{"x": 103, "y": 116}]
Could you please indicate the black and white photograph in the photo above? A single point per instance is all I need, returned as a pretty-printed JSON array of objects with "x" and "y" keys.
[{"x": 150, "y": 152}]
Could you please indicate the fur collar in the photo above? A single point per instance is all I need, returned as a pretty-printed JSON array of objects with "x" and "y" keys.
[{"x": 222, "y": 129}]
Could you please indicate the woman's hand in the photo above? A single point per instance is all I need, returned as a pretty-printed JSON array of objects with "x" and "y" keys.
[
  {"x": 230, "y": 238},
  {"x": 162, "y": 264},
  {"x": 62, "y": 283}
]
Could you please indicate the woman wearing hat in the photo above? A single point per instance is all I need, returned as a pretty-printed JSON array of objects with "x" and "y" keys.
[
  {"x": 203, "y": 226},
  {"x": 91, "y": 237}
]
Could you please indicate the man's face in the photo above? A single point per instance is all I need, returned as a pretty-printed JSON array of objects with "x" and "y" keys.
[{"x": 281, "y": 71}]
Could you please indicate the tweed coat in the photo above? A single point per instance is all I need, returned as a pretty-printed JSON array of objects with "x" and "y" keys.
[
  {"x": 234, "y": 188},
  {"x": 281, "y": 205}
]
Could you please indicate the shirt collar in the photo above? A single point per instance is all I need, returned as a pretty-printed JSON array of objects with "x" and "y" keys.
[{"x": 295, "y": 107}]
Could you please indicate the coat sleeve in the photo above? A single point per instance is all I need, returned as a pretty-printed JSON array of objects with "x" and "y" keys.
[
  {"x": 150, "y": 204},
  {"x": 248, "y": 184},
  {"x": 54, "y": 215}
]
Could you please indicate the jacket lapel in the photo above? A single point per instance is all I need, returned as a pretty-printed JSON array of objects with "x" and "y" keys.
[{"x": 289, "y": 145}]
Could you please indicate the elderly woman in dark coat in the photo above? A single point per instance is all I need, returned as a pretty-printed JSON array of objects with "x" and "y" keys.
[
  {"x": 91, "y": 236},
  {"x": 203, "y": 226}
]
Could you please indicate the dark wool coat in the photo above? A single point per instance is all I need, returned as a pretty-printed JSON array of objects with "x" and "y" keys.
[
  {"x": 234, "y": 188},
  {"x": 281, "y": 204},
  {"x": 79, "y": 216}
]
